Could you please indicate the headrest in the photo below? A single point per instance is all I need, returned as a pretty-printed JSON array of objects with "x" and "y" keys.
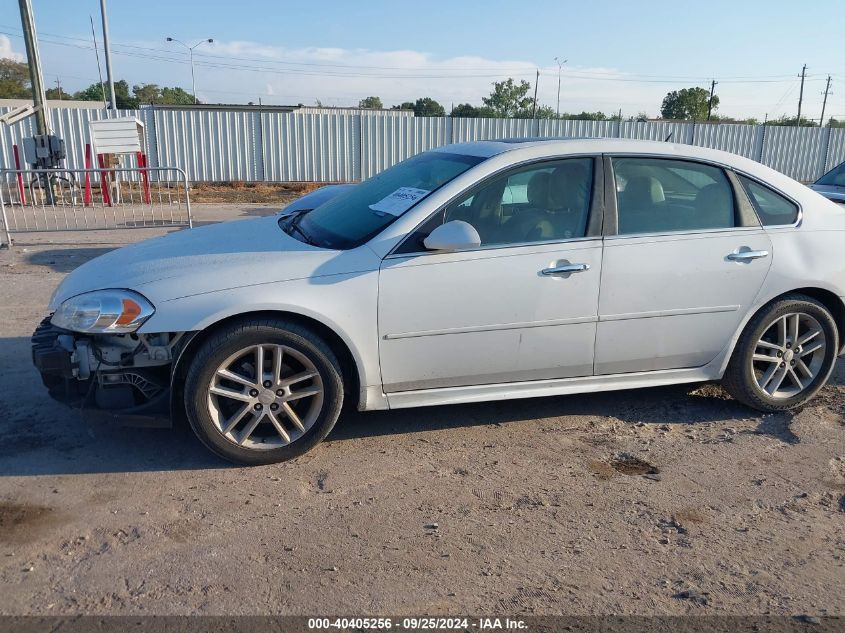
[
  {"x": 538, "y": 190},
  {"x": 643, "y": 191},
  {"x": 569, "y": 186}
]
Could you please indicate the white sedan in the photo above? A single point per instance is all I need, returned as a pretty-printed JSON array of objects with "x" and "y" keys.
[{"x": 480, "y": 271}]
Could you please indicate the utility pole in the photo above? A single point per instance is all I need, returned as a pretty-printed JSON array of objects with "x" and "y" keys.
[
  {"x": 824, "y": 103},
  {"x": 59, "y": 86},
  {"x": 34, "y": 59},
  {"x": 97, "y": 55},
  {"x": 803, "y": 75},
  {"x": 107, "y": 49},
  {"x": 559, "y": 66},
  {"x": 536, "y": 83},
  {"x": 710, "y": 102}
]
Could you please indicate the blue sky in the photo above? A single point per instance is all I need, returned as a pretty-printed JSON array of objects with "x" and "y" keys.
[{"x": 620, "y": 54}]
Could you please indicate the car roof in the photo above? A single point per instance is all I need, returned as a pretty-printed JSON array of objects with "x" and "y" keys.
[
  {"x": 522, "y": 149},
  {"x": 577, "y": 145}
]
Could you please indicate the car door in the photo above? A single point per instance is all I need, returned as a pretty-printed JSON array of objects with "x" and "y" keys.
[
  {"x": 681, "y": 266},
  {"x": 522, "y": 306}
]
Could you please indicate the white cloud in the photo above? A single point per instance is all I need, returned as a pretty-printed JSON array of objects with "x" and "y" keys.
[
  {"x": 242, "y": 71},
  {"x": 343, "y": 76},
  {"x": 7, "y": 52}
]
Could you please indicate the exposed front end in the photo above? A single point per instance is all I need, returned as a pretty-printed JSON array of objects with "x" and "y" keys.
[{"x": 124, "y": 376}]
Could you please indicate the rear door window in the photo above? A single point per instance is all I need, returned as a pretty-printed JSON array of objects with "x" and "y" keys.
[
  {"x": 657, "y": 195},
  {"x": 772, "y": 208}
]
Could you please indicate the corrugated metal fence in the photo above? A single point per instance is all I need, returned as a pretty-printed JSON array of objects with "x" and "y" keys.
[{"x": 221, "y": 145}]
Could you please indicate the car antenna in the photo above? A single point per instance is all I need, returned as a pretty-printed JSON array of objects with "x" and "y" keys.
[{"x": 666, "y": 140}]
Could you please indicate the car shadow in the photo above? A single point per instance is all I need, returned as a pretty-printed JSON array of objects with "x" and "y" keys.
[
  {"x": 65, "y": 260},
  {"x": 41, "y": 437},
  {"x": 677, "y": 404}
]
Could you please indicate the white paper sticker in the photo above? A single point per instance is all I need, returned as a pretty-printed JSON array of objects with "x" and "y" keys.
[{"x": 400, "y": 200}]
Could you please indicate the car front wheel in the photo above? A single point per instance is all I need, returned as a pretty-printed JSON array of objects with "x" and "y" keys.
[
  {"x": 784, "y": 356},
  {"x": 263, "y": 391}
]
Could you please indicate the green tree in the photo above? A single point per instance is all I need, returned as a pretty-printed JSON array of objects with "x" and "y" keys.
[
  {"x": 14, "y": 80},
  {"x": 152, "y": 94},
  {"x": 94, "y": 92},
  {"x": 510, "y": 99},
  {"x": 835, "y": 122},
  {"x": 426, "y": 106},
  {"x": 371, "y": 103},
  {"x": 641, "y": 117},
  {"x": 688, "y": 103},
  {"x": 466, "y": 111},
  {"x": 147, "y": 93},
  {"x": 590, "y": 116},
  {"x": 544, "y": 112},
  {"x": 56, "y": 93},
  {"x": 405, "y": 105},
  {"x": 177, "y": 96},
  {"x": 792, "y": 122},
  {"x": 730, "y": 119}
]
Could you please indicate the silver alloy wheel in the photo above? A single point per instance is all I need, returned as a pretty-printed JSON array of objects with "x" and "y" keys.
[
  {"x": 265, "y": 396},
  {"x": 789, "y": 355}
]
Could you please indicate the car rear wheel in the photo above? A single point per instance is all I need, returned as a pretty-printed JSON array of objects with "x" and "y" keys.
[
  {"x": 784, "y": 355},
  {"x": 263, "y": 391}
]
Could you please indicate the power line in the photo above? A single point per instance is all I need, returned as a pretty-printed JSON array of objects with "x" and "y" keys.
[
  {"x": 783, "y": 98},
  {"x": 524, "y": 71}
]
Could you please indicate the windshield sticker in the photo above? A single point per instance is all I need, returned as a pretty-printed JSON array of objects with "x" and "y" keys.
[{"x": 400, "y": 200}]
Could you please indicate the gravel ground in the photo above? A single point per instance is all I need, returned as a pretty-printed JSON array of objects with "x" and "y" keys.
[{"x": 659, "y": 501}]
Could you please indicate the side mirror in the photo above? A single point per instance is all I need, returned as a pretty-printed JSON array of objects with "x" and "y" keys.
[{"x": 453, "y": 236}]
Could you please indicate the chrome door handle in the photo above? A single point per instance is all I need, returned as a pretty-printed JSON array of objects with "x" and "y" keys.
[
  {"x": 747, "y": 256},
  {"x": 565, "y": 269}
]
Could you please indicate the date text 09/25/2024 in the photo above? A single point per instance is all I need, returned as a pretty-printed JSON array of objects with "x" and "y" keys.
[{"x": 417, "y": 624}]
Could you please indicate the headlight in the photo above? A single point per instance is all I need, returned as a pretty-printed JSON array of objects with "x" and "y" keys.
[{"x": 103, "y": 312}]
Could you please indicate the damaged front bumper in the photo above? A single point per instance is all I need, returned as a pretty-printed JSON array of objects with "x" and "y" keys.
[{"x": 122, "y": 378}]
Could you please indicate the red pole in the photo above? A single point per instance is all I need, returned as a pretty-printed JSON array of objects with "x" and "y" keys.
[
  {"x": 145, "y": 178},
  {"x": 20, "y": 176},
  {"x": 104, "y": 180},
  {"x": 87, "y": 174}
]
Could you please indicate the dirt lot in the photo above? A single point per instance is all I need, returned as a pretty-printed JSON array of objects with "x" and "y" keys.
[
  {"x": 250, "y": 192},
  {"x": 662, "y": 501}
]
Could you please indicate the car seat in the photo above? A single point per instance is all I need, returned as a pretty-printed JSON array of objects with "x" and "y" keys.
[
  {"x": 641, "y": 206},
  {"x": 714, "y": 207}
]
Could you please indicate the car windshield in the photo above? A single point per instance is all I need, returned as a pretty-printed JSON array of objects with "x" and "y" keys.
[
  {"x": 835, "y": 177},
  {"x": 359, "y": 214}
]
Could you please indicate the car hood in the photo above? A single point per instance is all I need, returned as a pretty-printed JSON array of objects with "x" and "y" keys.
[
  {"x": 832, "y": 192},
  {"x": 211, "y": 258}
]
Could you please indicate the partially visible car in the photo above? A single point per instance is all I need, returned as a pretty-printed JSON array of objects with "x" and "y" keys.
[{"x": 832, "y": 184}]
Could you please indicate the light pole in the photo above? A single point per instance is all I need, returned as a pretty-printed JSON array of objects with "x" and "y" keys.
[
  {"x": 559, "y": 66},
  {"x": 191, "y": 51}
]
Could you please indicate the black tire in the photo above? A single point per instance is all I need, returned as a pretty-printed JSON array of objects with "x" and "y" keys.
[
  {"x": 230, "y": 340},
  {"x": 739, "y": 379}
]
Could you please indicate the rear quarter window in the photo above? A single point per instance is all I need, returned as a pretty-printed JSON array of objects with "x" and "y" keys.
[{"x": 772, "y": 208}]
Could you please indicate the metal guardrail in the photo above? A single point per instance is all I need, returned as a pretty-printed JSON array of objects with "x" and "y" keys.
[{"x": 50, "y": 200}]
